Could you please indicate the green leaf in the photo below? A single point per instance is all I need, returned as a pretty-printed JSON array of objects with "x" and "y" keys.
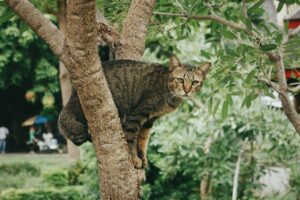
[
  {"x": 250, "y": 77},
  {"x": 255, "y": 6},
  {"x": 216, "y": 107},
  {"x": 225, "y": 110},
  {"x": 210, "y": 104},
  {"x": 286, "y": 26},
  {"x": 280, "y": 5},
  {"x": 248, "y": 23},
  {"x": 266, "y": 28},
  {"x": 23, "y": 27},
  {"x": 268, "y": 47},
  {"x": 6, "y": 15},
  {"x": 229, "y": 99},
  {"x": 228, "y": 34},
  {"x": 278, "y": 38}
]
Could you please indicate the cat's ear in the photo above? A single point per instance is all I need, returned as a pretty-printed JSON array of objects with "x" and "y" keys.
[
  {"x": 174, "y": 62},
  {"x": 204, "y": 68}
]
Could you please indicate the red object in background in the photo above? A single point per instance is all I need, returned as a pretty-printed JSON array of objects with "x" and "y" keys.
[
  {"x": 294, "y": 23},
  {"x": 292, "y": 73}
]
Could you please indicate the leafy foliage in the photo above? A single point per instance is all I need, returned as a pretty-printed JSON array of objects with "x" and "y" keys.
[
  {"x": 199, "y": 144},
  {"x": 26, "y": 61},
  {"x": 18, "y": 168},
  {"x": 58, "y": 178},
  {"x": 67, "y": 193}
]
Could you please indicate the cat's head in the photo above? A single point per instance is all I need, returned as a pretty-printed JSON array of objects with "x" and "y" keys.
[{"x": 185, "y": 81}]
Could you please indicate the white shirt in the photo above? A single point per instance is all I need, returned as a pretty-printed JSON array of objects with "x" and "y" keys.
[
  {"x": 3, "y": 133},
  {"x": 47, "y": 138}
]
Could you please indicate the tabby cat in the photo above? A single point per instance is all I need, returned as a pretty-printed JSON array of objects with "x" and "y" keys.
[{"x": 142, "y": 92}]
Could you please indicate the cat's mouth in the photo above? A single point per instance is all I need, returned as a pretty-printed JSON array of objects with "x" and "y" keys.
[{"x": 186, "y": 96}]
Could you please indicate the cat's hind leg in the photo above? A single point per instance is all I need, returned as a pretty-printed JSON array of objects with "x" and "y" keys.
[
  {"x": 131, "y": 129},
  {"x": 72, "y": 123}
]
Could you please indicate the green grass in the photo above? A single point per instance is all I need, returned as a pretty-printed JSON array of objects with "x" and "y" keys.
[{"x": 45, "y": 162}]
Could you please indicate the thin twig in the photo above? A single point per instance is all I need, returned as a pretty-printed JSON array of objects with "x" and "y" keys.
[
  {"x": 207, "y": 4},
  {"x": 205, "y": 17},
  {"x": 269, "y": 83}
]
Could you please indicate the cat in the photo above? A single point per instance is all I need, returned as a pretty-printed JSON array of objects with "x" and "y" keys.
[{"x": 142, "y": 92}]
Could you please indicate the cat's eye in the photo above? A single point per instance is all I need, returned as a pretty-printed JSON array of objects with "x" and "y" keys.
[
  {"x": 195, "y": 82},
  {"x": 180, "y": 80}
]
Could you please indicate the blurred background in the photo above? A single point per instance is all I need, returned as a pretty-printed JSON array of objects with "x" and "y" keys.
[{"x": 235, "y": 124}]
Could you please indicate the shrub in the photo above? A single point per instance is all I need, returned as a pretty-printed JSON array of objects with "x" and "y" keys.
[
  {"x": 18, "y": 168},
  {"x": 74, "y": 171},
  {"x": 66, "y": 193},
  {"x": 9, "y": 181},
  {"x": 57, "y": 178}
]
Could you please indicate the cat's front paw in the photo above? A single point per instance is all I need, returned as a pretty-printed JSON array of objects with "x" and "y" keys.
[
  {"x": 137, "y": 162},
  {"x": 144, "y": 162}
]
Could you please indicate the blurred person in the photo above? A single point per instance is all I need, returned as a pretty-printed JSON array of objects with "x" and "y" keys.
[
  {"x": 3, "y": 134},
  {"x": 32, "y": 142},
  {"x": 48, "y": 136}
]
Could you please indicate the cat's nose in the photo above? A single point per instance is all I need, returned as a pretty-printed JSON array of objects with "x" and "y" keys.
[{"x": 186, "y": 89}]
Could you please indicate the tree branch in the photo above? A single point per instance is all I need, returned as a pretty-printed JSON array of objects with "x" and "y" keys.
[
  {"x": 237, "y": 171},
  {"x": 39, "y": 24},
  {"x": 205, "y": 17},
  {"x": 134, "y": 32},
  {"x": 107, "y": 32},
  {"x": 269, "y": 83},
  {"x": 287, "y": 105}
]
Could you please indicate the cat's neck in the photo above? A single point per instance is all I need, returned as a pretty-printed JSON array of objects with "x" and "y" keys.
[{"x": 172, "y": 101}]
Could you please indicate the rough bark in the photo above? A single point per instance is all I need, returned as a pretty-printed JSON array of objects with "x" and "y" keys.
[
  {"x": 79, "y": 53},
  {"x": 64, "y": 78},
  {"x": 117, "y": 172},
  {"x": 107, "y": 32},
  {"x": 135, "y": 26}
]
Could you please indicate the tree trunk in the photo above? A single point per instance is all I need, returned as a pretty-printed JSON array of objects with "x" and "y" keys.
[
  {"x": 118, "y": 178},
  {"x": 204, "y": 187},
  {"x": 79, "y": 52},
  {"x": 65, "y": 81}
]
